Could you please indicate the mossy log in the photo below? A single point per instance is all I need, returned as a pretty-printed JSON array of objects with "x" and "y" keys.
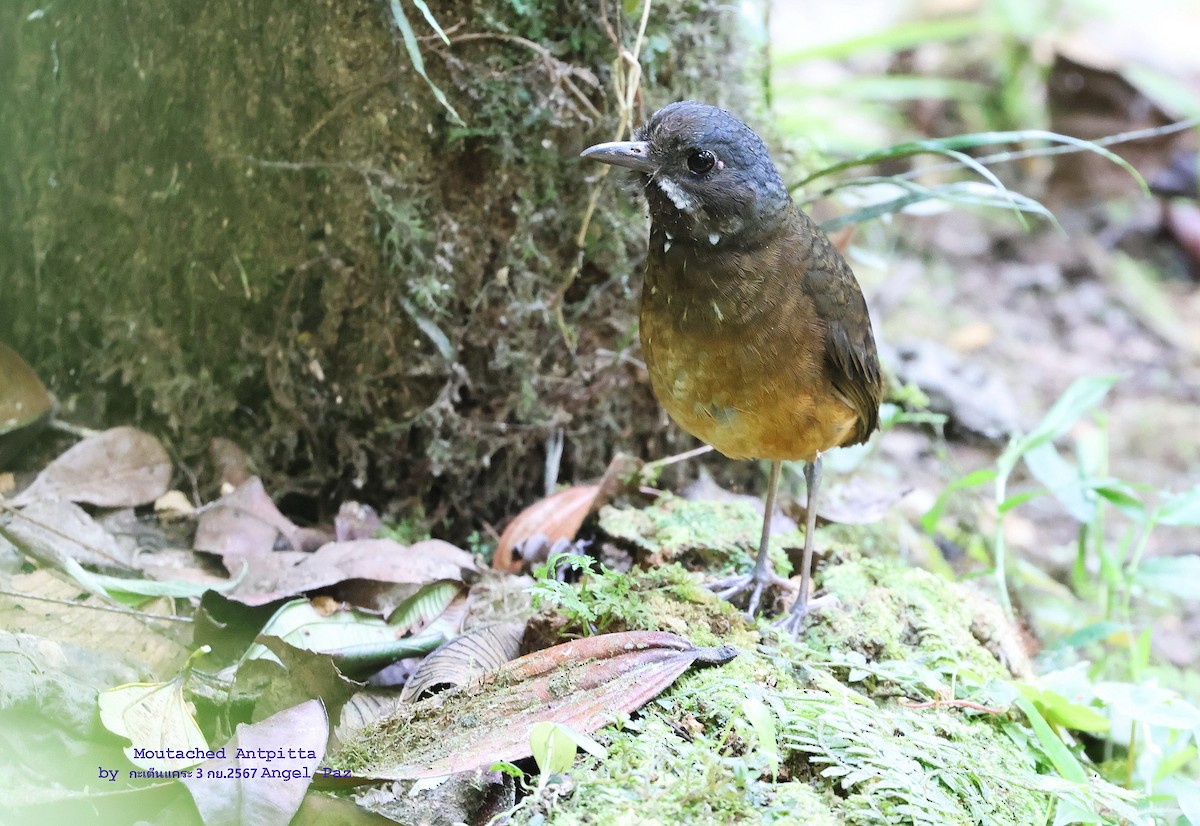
[{"x": 255, "y": 220}]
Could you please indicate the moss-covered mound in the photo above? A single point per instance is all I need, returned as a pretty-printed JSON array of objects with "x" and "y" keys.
[
  {"x": 891, "y": 709},
  {"x": 255, "y": 220}
]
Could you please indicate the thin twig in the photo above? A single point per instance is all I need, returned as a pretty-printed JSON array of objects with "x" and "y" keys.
[
  {"x": 110, "y": 609},
  {"x": 75, "y": 430},
  {"x": 954, "y": 704},
  {"x": 627, "y": 88}
]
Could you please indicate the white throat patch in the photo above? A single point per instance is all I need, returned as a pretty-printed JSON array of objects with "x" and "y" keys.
[{"x": 682, "y": 201}]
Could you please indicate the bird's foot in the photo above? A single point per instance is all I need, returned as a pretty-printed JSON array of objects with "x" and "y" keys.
[
  {"x": 793, "y": 622},
  {"x": 754, "y": 583}
]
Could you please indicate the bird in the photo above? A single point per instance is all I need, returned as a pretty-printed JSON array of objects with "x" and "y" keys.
[{"x": 754, "y": 330}]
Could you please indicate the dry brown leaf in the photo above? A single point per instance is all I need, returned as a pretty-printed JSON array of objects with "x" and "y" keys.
[
  {"x": 475, "y": 654},
  {"x": 1091, "y": 95},
  {"x": 277, "y": 575},
  {"x": 244, "y": 524},
  {"x": 119, "y": 468},
  {"x": 977, "y": 400},
  {"x": 1182, "y": 221},
  {"x": 233, "y": 788},
  {"x": 54, "y": 528},
  {"x": 585, "y": 684},
  {"x": 555, "y": 517}
]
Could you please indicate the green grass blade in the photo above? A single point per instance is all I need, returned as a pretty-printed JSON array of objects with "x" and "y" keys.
[
  {"x": 966, "y": 193},
  {"x": 960, "y": 143},
  {"x": 418, "y": 63},
  {"x": 902, "y": 36},
  {"x": 1060, "y": 756},
  {"x": 431, "y": 20}
]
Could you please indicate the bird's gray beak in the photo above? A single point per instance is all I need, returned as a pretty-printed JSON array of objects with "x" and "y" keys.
[{"x": 630, "y": 154}]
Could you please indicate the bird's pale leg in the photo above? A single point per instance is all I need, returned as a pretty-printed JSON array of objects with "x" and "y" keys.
[
  {"x": 793, "y": 621},
  {"x": 762, "y": 575}
]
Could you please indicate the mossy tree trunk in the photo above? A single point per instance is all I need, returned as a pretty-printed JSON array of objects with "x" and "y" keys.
[{"x": 253, "y": 219}]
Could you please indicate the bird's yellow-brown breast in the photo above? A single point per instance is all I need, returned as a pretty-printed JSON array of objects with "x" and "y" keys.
[{"x": 763, "y": 353}]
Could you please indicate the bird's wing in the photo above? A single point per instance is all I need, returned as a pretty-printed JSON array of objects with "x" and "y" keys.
[{"x": 850, "y": 354}]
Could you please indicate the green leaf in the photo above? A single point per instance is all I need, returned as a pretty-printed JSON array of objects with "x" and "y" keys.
[
  {"x": 902, "y": 36},
  {"x": 1176, "y": 575},
  {"x": 1060, "y": 756},
  {"x": 427, "y": 604},
  {"x": 1187, "y": 794},
  {"x": 1064, "y": 480},
  {"x": 1079, "y": 398},
  {"x": 1181, "y": 509},
  {"x": 954, "y": 146},
  {"x": 418, "y": 63},
  {"x": 504, "y": 767},
  {"x": 762, "y": 720},
  {"x": 177, "y": 588},
  {"x": 431, "y": 20},
  {"x": 1123, "y": 495},
  {"x": 355, "y": 640},
  {"x": 888, "y": 88},
  {"x": 979, "y": 477},
  {"x": 1087, "y": 635},
  {"x": 1150, "y": 704},
  {"x": 963, "y": 193},
  {"x": 1174, "y": 762},
  {"x": 1019, "y": 499},
  {"x": 554, "y": 746},
  {"x": 1060, "y": 711},
  {"x": 154, "y": 716}
]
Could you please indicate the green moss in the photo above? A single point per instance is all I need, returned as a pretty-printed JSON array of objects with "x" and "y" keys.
[
  {"x": 711, "y": 536},
  {"x": 863, "y": 727}
]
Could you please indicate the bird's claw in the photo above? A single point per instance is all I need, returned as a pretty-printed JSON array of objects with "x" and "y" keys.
[
  {"x": 755, "y": 583},
  {"x": 793, "y": 622}
]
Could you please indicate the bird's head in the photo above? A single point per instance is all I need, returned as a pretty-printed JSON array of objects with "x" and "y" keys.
[{"x": 708, "y": 178}]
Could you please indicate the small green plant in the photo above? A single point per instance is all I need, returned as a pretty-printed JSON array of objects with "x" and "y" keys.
[
  {"x": 1149, "y": 732},
  {"x": 480, "y": 547},
  {"x": 406, "y": 531},
  {"x": 555, "y": 745},
  {"x": 602, "y": 598}
]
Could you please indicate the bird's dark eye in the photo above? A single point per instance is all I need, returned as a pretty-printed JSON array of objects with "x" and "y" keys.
[{"x": 701, "y": 161}]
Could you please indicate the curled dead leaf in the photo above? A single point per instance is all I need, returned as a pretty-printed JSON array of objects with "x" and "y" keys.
[
  {"x": 555, "y": 517},
  {"x": 475, "y": 654},
  {"x": 585, "y": 684},
  {"x": 232, "y": 788},
  {"x": 243, "y": 524}
]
